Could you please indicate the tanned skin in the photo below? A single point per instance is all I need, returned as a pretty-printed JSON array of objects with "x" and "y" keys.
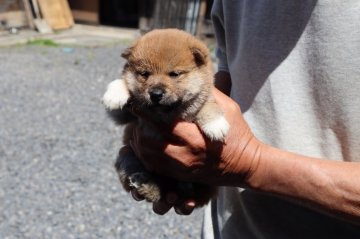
[{"x": 328, "y": 186}]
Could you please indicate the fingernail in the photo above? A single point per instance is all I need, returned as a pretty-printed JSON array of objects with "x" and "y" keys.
[{"x": 190, "y": 205}]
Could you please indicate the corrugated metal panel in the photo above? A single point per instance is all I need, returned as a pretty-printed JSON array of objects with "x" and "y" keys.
[{"x": 182, "y": 14}]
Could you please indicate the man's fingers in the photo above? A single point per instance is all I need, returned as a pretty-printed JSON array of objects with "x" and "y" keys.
[
  {"x": 181, "y": 207},
  {"x": 185, "y": 208},
  {"x": 171, "y": 198},
  {"x": 161, "y": 207},
  {"x": 189, "y": 133}
]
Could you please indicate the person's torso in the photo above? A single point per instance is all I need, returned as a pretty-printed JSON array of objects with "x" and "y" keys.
[{"x": 295, "y": 68}]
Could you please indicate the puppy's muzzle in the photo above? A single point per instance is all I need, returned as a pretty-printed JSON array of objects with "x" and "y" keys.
[{"x": 156, "y": 94}]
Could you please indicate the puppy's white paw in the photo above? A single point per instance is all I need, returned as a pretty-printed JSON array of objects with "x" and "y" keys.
[
  {"x": 217, "y": 129},
  {"x": 116, "y": 95}
]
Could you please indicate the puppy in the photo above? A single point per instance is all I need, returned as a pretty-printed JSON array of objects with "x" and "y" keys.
[{"x": 168, "y": 76}]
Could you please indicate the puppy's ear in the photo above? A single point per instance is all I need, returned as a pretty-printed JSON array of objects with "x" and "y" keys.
[
  {"x": 200, "y": 55},
  {"x": 127, "y": 53}
]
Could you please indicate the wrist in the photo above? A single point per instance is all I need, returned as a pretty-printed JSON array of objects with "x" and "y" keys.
[
  {"x": 250, "y": 162},
  {"x": 259, "y": 173},
  {"x": 242, "y": 161}
]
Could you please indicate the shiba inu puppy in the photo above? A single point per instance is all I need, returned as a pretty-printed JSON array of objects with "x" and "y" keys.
[{"x": 168, "y": 75}]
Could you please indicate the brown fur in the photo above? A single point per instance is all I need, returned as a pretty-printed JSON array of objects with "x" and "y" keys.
[
  {"x": 177, "y": 65},
  {"x": 160, "y": 55}
]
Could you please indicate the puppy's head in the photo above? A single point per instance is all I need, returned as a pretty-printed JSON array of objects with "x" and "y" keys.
[{"x": 167, "y": 68}]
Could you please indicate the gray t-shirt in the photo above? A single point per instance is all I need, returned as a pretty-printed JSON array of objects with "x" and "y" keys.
[{"x": 295, "y": 68}]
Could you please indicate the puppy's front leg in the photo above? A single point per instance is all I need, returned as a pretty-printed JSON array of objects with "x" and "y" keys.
[
  {"x": 212, "y": 122},
  {"x": 115, "y": 98},
  {"x": 116, "y": 95}
]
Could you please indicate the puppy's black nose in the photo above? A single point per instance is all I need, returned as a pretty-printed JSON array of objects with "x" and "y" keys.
[{"x": 156, "y": 94}]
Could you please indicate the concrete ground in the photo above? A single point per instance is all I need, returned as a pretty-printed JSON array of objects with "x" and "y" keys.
[
  {"x": 80, "y": 35},
  {"x": 58, "y": 147}
]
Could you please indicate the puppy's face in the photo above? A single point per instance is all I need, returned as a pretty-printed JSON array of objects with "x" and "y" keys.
[{"x": 166, "y": 68}]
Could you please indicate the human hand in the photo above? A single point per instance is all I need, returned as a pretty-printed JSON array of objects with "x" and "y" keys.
[
  {"x": 171, "y": 200},
  {"x": 185, "y": 154}
]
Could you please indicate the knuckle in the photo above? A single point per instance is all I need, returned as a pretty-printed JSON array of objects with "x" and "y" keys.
[
  {"x": 233, "y": 106},
  {"x": 197, "y": 145}
]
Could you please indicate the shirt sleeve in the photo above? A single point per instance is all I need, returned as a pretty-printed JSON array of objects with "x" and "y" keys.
[
  {"x": 217, "y": 16},
  {"x": 222, "y": 60}
]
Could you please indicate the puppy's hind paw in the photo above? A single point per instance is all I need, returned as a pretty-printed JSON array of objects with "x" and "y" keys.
[
  {"x": 216, "y": 129},
  {"x": 145, "y": 186},
  {"x": 116, "y": 95}
]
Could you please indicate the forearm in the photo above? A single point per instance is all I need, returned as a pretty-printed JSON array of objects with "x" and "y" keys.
[{"x": 330, "y": 186}]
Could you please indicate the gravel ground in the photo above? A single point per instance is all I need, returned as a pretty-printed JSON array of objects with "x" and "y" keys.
[{"x": 57, "y": 149}]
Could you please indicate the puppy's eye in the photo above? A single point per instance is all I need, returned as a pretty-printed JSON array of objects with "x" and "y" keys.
[
  {"x": 144, "y": 74},
  {"x": 175, "y": 74}
]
